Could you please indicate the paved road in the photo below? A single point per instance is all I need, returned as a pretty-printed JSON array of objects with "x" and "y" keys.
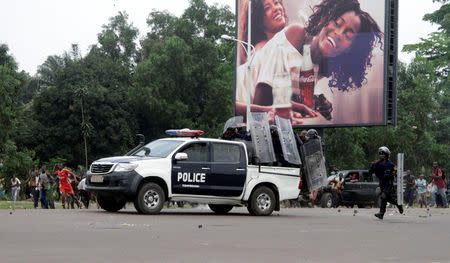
[{"x": 197, "y": 235}]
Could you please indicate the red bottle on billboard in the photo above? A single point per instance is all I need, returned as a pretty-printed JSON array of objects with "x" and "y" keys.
[{"x": 307, "y": 79}]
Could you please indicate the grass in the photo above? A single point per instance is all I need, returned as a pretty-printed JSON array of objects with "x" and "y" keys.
[
  {"x": 27, "y": 204},
  {"x": 16, "y": 205}
]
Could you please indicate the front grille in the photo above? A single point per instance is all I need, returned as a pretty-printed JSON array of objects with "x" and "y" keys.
[{"x": 100, "y": 168}]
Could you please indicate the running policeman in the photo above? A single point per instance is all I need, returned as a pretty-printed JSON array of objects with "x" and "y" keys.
[{"x": 385, "y": 170}]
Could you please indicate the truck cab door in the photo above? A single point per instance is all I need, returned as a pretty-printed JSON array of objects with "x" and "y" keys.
[
  {"x": 351, "y": 187},
  {"x": 228, "y": 169},
  {"x": 192, "y": 175}
]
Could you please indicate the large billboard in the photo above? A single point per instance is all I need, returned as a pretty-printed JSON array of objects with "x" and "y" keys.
[{"x": 317, "y": 62}]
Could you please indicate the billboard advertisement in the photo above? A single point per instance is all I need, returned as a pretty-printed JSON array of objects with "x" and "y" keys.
[{"x": 315, "y": 62}]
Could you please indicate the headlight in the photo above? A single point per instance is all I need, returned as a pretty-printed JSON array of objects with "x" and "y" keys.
[{"x": 125, "y": 167}]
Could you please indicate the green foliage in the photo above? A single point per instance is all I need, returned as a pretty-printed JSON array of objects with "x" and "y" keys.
[
  {"x": 184, "y": 79},
  {"x": 12, "y": 83},
  {"x": 15, "y": 162}
]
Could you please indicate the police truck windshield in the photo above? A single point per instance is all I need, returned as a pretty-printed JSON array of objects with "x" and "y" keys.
[{"x": 158, "y": 148}]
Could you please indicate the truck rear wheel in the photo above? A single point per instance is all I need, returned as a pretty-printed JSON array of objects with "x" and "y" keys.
[
  {"x": 150, "y": 199},
  {"x": 110, "y": 204},
  {"x": 220, "y": 209},
  {"x": 262, "y": 202},
  {"x": 326, "y": 201}
]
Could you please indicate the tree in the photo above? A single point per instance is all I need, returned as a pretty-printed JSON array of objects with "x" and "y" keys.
[
  {"x": 433, "y": 56},
  {"x": 185, "y": 79},
  {"x": 117, "y": 40},
  {"x": 86, "y": 98},
  {"x": 15, "y": 160}
]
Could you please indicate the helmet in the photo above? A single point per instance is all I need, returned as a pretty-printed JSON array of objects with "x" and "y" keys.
[
  {"x": 312, "y": 134},
  {"x": 384, "y": 150}
]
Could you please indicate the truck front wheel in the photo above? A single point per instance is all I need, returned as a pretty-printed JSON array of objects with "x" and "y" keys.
[
  {"x": 110, "y": 204},
  {"x": 220, "y": 209},
  {"x": 150, "y": 199},
  {"x": 262, "y": 202}
]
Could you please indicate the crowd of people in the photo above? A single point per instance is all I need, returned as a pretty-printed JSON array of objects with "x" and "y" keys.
[
  {"x": 44, "y": 187},
  {"x": 431, "y": 192}
]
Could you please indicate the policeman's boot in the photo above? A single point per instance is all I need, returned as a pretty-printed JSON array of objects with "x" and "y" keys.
[
  {"x": 379, "y": 215},
  {"x": 400, "y": 209}
]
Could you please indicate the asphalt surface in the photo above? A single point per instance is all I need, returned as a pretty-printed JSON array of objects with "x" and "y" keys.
[{"x": 197, "y": 235}]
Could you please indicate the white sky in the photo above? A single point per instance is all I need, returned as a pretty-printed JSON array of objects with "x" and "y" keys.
[{"x": 36, "y": 29}]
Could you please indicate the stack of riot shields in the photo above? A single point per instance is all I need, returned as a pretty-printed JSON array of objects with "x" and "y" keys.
[{"x": 309, "y": 154}]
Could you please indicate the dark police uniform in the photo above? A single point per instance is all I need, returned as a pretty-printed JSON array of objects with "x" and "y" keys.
[{"x": 385, "y": 171}]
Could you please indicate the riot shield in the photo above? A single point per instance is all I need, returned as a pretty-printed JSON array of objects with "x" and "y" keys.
[
  {"x": 287, "y": 140},
  {"x": 261, "y": 138},
  {"x": 314, "y": 164},
  {"x": 234, "y": 122}
]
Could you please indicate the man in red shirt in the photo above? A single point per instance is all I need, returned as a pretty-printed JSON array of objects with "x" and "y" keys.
[
  {"x": 436, "y": 174},
  {"x": 64, "y": 183}
]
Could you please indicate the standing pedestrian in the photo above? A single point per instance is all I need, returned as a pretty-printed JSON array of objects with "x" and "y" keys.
[
  {"x": 334, "y": 171},
  {"x": 3, "y": 189},
  {"x": 385, "y": 170},
  {"x": 421, "y": 184},
  {"x": 35, "y": 186},
  {"x": 337, "y": 185},
  {"x": 44, "y": 183},
  {"x": 410, "y": 188},
  {"x": 74, "y": 180},
  {"x": 15, "y": 187},
  {"x": 30, "y": 185},
  {"x": 437, "y": 175},
  {"x": 431, "y": 192},
  {"x": 85, "y": 195}
]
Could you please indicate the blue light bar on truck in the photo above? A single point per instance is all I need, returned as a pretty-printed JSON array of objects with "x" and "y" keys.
[{"x": 184, "y": 132}]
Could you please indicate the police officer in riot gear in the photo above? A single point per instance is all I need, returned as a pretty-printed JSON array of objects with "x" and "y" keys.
[
  {"x": 385, "y": 170},
  {"x": 312, "y": 134}
]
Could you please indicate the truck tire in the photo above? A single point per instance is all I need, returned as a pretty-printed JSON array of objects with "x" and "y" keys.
[
  {"x": 150, "y": 199},
  {"x": 220, "y": 209},
  {"x": 110, "y": 204},
  {"x": 262, "y": 202},
  {"x": 326, "y": 201}
]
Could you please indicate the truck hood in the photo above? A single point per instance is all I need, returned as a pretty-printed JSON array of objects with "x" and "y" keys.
[{"x": 123, "y": 159}]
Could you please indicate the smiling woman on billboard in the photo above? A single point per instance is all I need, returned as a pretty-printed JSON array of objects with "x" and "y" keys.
[
  {"x": 268, "y": 18},
  {"x": 339, "y": 38}
]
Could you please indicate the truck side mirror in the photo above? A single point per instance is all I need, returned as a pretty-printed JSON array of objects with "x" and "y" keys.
[
  {"x": 181, "y": 156},
  {"x": 147, "y": 151}
]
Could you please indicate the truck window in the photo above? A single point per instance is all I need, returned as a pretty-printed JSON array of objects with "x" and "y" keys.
[
  {"x": 197, "y": 152},
  {"x": 367, "y": 177},
  {"x": 158, "y": 148},
  {"x": 352, "y": 177},
  {"x": 228, "y": 153}
]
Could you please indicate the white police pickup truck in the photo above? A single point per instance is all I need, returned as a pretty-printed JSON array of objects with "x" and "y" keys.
[{"x": 194, "y": 169}]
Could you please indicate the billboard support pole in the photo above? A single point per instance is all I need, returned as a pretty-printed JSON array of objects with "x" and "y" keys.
[
  {"x": 249, "y": 44},
  {"x": 400, "y": 160}
]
